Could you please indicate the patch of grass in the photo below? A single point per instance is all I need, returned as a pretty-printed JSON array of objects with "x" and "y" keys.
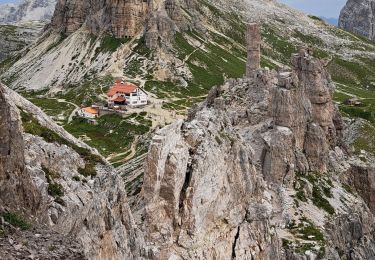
[
  {"x": 88, "y": 92},
  {"x": 347, "y": 188},
  {"x": 310, "y": 39},
  {"x": 280, "y": 48},
  {"x": 61, "y": 38},
  {"x": 141, "y": 48},
  {"x": 89, "y": 170},
  {"x": 320, "y": 201},
  {"x": 316, "y": 18},
  {"x": 52, "y": 107},
  {"x": 112, "y": 134},
  {"x": 301, "y": 195},
  {"x": 16, "y": 220},
  {"x": 54, "y": 189},
  {"x": 32, "y": 126},
  {"x": 365, "y": 139},
  {"x": 311, "y": 232},
  {"x": 76, "y": 178},
  {"x": 109, "y": 43}
]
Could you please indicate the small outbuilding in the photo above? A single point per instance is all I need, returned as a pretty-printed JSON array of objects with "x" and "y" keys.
[
  {"x": 89, "y": 112},
  {"x": 353, "y": 102}
]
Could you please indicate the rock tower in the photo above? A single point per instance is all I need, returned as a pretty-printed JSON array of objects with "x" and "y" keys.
[{"x": 253, "y": 41}]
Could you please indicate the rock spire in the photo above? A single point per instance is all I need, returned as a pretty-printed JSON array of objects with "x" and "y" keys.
[{"x": 253, "y": 41}]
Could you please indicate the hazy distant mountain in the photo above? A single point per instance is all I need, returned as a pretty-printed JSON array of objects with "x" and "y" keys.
[
  {"x": 27, "y": 10},
  {"x": 331, "y": 20}
]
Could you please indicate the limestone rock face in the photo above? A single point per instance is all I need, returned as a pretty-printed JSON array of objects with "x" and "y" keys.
[
  {"x": 164, "y": 18},
  {"x": 44, "y": 177},
  {"x": 120, "y": 18},
  {"x": 363, "y": 179},
  {"x": 16, "y": 191},
  {"x": 216, "y": 186},
  {"x": 358, "y": 16}
]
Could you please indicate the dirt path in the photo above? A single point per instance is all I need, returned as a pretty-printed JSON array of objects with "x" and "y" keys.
[
  {"x": 133, "y": 151},
  {"x": 70, "y": 118}
]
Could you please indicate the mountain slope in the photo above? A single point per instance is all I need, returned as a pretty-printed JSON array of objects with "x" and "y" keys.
[
  {"x": 202, "y": 45},
  {"x": 15, "y": 38}
]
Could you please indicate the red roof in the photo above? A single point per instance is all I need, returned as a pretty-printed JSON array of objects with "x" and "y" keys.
[
  {"x": 121, "y": 87},
  {"x": 119, "y": 99},
  {"x": 91, "y": 110}
]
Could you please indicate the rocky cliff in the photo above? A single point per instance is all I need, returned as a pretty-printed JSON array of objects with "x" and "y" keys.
[
  {"x": 62, "y": 187},
  {"x": 358, "y": 16},
  {"x": 244, "y": 176},
  {"x": 120, "y": 18}
]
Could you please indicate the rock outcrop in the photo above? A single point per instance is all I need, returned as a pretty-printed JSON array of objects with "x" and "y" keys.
[
  {"x": 358, "y": 16},
  {"x": 67, "y": 188},
  {"x": 218, "y": 186},
  {"x": 119, "y": 18},
  {"x": 16, "y": 191}
]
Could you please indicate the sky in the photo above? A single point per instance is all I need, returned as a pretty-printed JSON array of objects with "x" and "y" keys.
[{"x": 326, "y": 8}]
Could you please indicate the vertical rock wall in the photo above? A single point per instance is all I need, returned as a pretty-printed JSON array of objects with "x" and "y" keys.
[
  {"x": 358, "y": 16},
  {"x": 119, "y": 18},
  {"x": 16, "y": 191}
]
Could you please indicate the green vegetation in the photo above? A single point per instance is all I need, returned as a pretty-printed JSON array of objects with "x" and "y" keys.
[
  {"x": 16, "y": 220},
  {"x": 320, "y": 201},
  {"x": 321, "y": 189},
  {"x": 316, "y": 18},
  {"x": 141, "y": 48},
  {"x": 365, "y": 139},
  {"x": 278, "y": 47},
  {"x": 112, "y": 134},
  {"x": 347, "y": 188},
  {"x": 57, "y": 42},
  {"x": 32, "y": 126},
  {"x": 309, "y": 39},
  {"x": 76, "y": 178},
  {"x": 53, "y": 107},
  {"x": 209, "y": 67},
  {"x": 88, "y": 92},
  {"x": 311, "y": 236},
  {"x": 109, "y": 43},
  {"x": 133, "y": 68},
  {"x": 54, "y": 189}
]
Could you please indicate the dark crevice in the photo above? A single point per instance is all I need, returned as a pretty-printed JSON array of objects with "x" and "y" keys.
[
  {"x": 188, "y": 176},
  {"x": 235, "y": 243}
]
